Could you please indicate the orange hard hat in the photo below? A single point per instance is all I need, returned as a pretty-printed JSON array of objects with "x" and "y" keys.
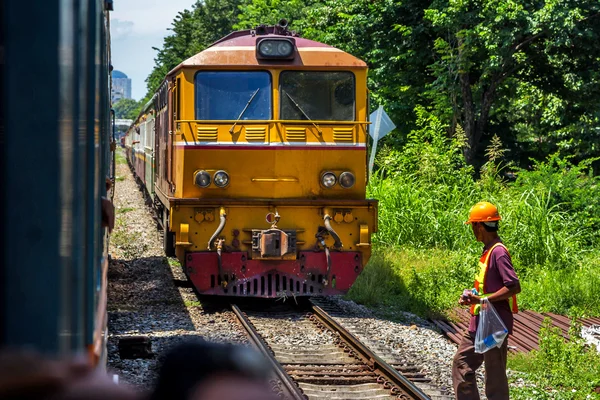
[{"x": 483, "y": 212}]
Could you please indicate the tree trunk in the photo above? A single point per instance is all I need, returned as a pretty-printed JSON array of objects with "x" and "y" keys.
[
  {"x": 469, "y": 116},
  {"x": 474, "y": 127}
]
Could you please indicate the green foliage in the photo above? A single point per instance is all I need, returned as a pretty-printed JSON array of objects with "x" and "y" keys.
[
  {"x": 571, "y": 187},
  {"x": 425, "y": 191},
  {"x": 570, "y": 368},
  {"x": 420, "y": 281},
  {"x": 120, "y": 159},
  {"x": 572, "y": 290},
  {"x": 528, "y": 72},
  {"x": 428, "y": 282},
  {"x": 421, "y": 204},
  {"x": 270, "y": 12},
  {"x": 127, "y": 108},
  {"x": 193, "y": 31},
  {"x": 192, "y": 303},
  {"x": 540, "y": 233},
  {"x": 494, "y": 46}
]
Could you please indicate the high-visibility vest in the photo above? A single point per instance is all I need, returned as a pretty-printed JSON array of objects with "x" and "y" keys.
[{"x": 480, "y": 282}]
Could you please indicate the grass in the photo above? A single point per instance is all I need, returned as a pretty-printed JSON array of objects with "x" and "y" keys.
[
  {"x": 120, "y": 158},
  {"x": 174, "y": 262},
  {"x": 561, "y": 370},
  {"x": 125, "y": 210},
  {"x": 428, "y": 282},
  {"x": 192, "y": 303},
  {"x": 127, "y": 242},
  {"x": 424, "y": 282}
]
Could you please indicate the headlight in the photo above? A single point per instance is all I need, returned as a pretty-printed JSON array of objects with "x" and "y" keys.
[
  {"x": 284, "y": 48},
  {"x": 266, "y": 48},
  {"x": 328, "y": 179},
  {"x": 221, "y": 179},
  {"x": 347, "y": 180},
  {"x": 281, "y": 48},
  {"x": 202, "y": 179}
]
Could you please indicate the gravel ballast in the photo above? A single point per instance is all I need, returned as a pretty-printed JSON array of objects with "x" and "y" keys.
[{"x": 148, "y": 293}]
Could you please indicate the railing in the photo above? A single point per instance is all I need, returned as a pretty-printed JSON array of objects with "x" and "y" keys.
[{"x": 272, "y": 131}]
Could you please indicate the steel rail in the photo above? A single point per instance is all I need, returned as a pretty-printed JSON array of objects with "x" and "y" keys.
[
  {"x": 384, "y": 369},
  {"x": 294, "y": 392}
]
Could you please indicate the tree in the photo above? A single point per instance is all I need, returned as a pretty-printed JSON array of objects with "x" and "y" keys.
[
  {"x": 398, "y": 59},
  {"x": 176, "y": 48},
  {"x": 479, "y": 64},
  {"x": 193, "y": 31},
  {"x": 270, "y": 12},
  {"x": 127, "y": 108},
  {"x": 526, "y": 71},
  {"x": 489, "y": 46}
]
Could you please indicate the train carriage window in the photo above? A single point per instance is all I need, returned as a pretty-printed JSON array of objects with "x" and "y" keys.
[
  {"x": 224, "y": 95},
  {"x": 315, "y": 95}
]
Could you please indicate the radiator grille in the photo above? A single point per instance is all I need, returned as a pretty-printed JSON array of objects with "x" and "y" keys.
[
  {"x": 207, "y": 133},
  {"x": 256, "y": 133},
  {"x": 295, "y": 134},
  {"x": 269, "y": 285},
  {"x": 343, "y": 134}
]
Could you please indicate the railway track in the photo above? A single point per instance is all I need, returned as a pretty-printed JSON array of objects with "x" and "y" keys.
[{"x": 314, "y": 357}]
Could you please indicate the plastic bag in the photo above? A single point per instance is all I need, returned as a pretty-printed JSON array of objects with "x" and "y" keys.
[{"x": 491, "y": 331}]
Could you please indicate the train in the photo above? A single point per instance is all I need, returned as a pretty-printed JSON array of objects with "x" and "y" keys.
[
  {"x": 57, "y": 166},
  {"x": 253, "y": 153}
]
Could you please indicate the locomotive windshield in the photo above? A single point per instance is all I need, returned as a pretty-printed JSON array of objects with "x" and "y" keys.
[
  {"x": 321, "y": 96},
  {"x": 224, "y": 95}
]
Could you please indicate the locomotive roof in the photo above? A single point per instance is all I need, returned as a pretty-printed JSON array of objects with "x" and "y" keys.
[{"x": 239, "y": 49}]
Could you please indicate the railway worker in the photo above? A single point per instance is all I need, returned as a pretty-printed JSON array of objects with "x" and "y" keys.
[
  {"x": 199, "y": 370},
  {"x": 497, "y": 281}
]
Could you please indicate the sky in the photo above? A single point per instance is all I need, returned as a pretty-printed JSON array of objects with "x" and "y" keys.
[{"x": 136, "y": 26}]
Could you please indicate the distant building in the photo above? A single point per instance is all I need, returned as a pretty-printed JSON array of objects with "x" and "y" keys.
[{"x": 121, "y": 86}]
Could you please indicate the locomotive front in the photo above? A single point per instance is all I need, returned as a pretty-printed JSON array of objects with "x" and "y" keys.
[{"x": 261, "y": 166}]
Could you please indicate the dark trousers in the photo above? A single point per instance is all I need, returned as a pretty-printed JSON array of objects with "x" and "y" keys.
[{"x": 466, "y": 362}]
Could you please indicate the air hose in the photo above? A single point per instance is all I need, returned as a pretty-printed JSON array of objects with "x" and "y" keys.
[
  {"x": 334, "y": 235},
  {"x": 223, "y": 219}
]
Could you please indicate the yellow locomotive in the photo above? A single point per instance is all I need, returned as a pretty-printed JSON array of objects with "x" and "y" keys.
[{"x": 254, "y": 153}]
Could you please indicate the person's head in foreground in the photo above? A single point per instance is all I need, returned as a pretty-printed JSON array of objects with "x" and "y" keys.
[
  {"x": 27, "y": 375},
  {"x": 199, "y": 370}
]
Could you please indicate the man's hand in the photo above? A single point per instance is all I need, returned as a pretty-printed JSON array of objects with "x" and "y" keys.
[
  {"x": 473, "y": 299},
  {"x": 469, "y": 299}
]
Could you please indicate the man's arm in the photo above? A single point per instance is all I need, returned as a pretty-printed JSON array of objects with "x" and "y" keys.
[{"x": 502, "y": 294}]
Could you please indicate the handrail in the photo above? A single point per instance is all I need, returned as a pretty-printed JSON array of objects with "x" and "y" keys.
[{"x": 273, "y": 121}]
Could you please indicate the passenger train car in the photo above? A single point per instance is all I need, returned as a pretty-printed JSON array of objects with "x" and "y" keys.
[
  {"x": 56, "y": 156},
  {"x": 253, "y": 152}
]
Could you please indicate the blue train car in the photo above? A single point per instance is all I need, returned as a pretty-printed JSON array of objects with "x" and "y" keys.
[{"x": 56, "y": 157}]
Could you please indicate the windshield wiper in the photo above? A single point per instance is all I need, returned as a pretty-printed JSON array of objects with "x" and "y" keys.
[
  {"x": 243, "y": 111},
  {"x": 303, "y": 113}
]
